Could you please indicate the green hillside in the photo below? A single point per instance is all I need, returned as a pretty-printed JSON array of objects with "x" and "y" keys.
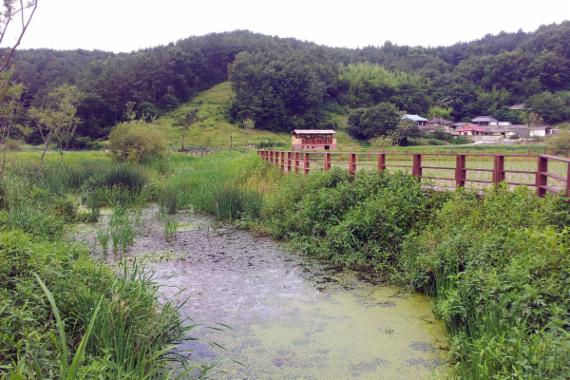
[{"x": 215, "y": 131}]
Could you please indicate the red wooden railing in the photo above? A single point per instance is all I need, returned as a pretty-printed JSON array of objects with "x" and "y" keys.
[{"x": 545, "y": 173}]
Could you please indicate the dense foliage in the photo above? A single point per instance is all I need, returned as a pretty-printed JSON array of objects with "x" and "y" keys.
[
  {"x": 136, "y": 142},
  {"x": 504, "y": 295},
  {"x": 367, "y": 123},
  {"x": 282, "y": 90},
  {"x": 115, "y": 312},
  {"x": 282, "y": 83}
]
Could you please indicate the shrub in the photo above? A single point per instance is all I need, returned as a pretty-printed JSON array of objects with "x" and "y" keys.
[
  {"x": 168, "y": 200},
  {"x": 371, "y": 232},
  {"x": 136, "y": 142},
  {"x": 560, "y": 142},
  {"x": 504, "y": 291}
]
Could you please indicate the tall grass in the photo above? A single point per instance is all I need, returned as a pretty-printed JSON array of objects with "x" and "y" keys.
[
  {"x": 111, "y": 322},
  {"x": 217, "y": 185}
]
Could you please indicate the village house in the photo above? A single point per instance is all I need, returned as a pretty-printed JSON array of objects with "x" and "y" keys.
[
  {"x": 420, "y": 121},
  {"x": 313, "y": 139},
  {"x": 485, "y": 121},
  {"x": 472, "y": 130},
  {"x": 439, "y": 122}
]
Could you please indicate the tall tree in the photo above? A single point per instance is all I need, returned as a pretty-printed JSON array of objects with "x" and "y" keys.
[
  {"x": 184, "y": 123},
  {"x": 57, "y": 121}
]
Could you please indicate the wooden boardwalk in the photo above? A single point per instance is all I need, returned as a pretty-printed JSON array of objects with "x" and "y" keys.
[{"x": 544, "y": 173}]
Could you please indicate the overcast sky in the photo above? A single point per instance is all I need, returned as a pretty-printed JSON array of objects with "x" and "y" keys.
[{"x": 126, "y": 25}]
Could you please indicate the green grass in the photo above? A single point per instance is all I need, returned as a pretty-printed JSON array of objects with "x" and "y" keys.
[
  {"x": 214, "y": 131},
  {"x": 79, "y": 318}
]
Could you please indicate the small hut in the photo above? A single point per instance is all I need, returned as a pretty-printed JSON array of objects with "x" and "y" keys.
[{"x": 313, "y": 139}]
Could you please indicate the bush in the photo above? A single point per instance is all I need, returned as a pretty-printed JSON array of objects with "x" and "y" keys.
[
  {"x": 560, "y": 142},
  {"x": 136, "y": 142},
  {"x": 504, "y": 291},
  {"x": 375, "y": 121},
  {"x": 355, "y": 222}
]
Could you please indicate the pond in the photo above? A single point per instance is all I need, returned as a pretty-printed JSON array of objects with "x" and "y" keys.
[{"x": 290, "y": 316}]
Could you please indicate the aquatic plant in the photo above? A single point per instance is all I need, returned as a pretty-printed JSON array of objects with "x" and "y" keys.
[
  {"x": 121, "y": 229},
  {"x": 170, "y": 227},
  {"x": 103, "y": 236}
]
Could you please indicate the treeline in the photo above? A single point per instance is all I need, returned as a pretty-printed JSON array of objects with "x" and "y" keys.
[{"x": 283, "y": 84}]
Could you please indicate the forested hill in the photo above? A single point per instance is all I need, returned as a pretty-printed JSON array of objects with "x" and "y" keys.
[{"x": 285, "y": 83}]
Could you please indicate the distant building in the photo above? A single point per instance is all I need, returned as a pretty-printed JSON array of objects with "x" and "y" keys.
[
  {"x": 518, "y": 107},
  {"x": 526, "y": 132},
  {"x": 420, "y": 121},
  {"x": 472, "y": 130},
  {"x": 485, "y": 121},
  {"x": 439, "y": 122},
  {"x": 313, "y": 139}
]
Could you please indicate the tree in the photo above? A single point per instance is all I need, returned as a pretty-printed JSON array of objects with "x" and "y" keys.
[
  {"x": 367, "y": 123},
  {"x": 136, "y": 141},
  {"x": 553, "y": 107},
  {"x": 57, "y": 120},
  {"x": 534, "y": 119},
  {"x": 247, "y": 124},
  {"x": 15, "y": 11},
  {"x": 10, "y": 94},
  {"x": 405, "y": 130},
  {"x": 439, "y": 111},
  {"x": 147, "y": 111},
  {"x": 561, "y": 142},
  {"x": 184, "y": 123},
  {"x": 282, "y": 90}
]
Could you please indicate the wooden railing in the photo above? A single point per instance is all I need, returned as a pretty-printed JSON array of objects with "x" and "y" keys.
[{"x": 545, "y": 173}]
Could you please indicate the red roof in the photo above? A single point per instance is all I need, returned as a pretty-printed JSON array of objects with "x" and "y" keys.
[
  {"x": 471, "y": 128},
  {"x": 313, "y": 131}
]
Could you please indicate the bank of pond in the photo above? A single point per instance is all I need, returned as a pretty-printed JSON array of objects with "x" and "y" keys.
[{"x": 77, "y": 299}]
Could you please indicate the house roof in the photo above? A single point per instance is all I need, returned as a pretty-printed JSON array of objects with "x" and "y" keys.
[
  {"x": 484, "y": 119},
  {"x": 517, "y": 107},
  {"x": 471, "y": 128},
  {"x": 313, "y": 131},
  {"x": 440, "y": 120},
  {"x": 413, "y": 117}
]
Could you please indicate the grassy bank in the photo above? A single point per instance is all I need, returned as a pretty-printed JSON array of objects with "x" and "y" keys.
[
  {"x": 497, "y": 266},
  {"x": 64, "y": 314}
]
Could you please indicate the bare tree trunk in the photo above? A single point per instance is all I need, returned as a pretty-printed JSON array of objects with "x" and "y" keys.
[{"x": 25, "y": 24}]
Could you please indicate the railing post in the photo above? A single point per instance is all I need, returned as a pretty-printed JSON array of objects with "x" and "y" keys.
[
  {"x": 327, "y": 161},
  {"x": 460, "y": 172},
  {"x": 352, "y": 164},
  {"x": 282, "y": 161},
  {"x": 381, "y": 162},
  {"x": 568, "y": 181},
  {"x": 296, "y": 162},
  {"x": 417, "y": 166},
  {"x": 541, "y": 177},
  {"x": 271, "y": 157},
  {"x": 289, "y": 162},
  {"x": 306, "y": 163},
  {"x": 499, "y": 169}
]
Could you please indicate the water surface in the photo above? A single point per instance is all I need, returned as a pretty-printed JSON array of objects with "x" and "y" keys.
[{"x": 291, "y": 317}]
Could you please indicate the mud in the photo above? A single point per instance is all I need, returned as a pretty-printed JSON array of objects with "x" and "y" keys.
[{"x": 291, "y": 317}]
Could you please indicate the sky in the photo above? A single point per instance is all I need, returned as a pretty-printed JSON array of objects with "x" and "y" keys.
[{"x": 127, "y": 25}]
